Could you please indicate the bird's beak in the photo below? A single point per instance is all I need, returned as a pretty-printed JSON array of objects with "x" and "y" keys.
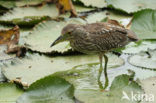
[{"x": 58, "y": 40}]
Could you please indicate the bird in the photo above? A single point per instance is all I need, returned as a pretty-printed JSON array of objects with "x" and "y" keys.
[{"x": 97, "y": 38}]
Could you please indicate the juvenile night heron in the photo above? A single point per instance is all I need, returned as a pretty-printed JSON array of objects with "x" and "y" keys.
[{"x": 96, "y": 38}]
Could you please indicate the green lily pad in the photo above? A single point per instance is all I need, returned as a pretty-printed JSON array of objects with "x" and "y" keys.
[
  {"x": 141, "y": 46},
  {"x": 119, "y": 85},
  {"x": 47, "y": 32},
  {"x": 144, "y": 24},
  {"x": 79, "y": 8},
  {"x": 93, "y": 3},
  {"x": 46, "y": 10},
  {"x": 131, "y": 6},
  {"x": 50, "y": 89},
  {"x": 28, "y": 21},
  {"x": 33, "y": 67},
  {"x": 9, "y": 93},
  {"x": 14, "y": 3},
  {"x": 144, "y": 60},
  {"x": 100, "y": 16}
]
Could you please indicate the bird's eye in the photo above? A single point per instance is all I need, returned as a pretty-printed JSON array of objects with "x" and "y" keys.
[{"x": 69, "y": 32}]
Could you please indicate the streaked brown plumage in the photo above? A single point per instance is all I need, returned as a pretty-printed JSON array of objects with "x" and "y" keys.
[{"x": 96, "y": 38}]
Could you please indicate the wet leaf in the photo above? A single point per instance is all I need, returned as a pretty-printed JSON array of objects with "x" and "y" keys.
[
  {"x": 119, "y": 85},
  {"x": 50, "y": 89},
  {"x": 93, "y": 3},
  {"x": 9, "y": 93},
  {"x": 34, "y": 67},
  {"x": 131, "y": 6},
  {"x": 144, "y": 24},
  {"x": 144, "y": 59},
  {"x": 48, "y": 32}
]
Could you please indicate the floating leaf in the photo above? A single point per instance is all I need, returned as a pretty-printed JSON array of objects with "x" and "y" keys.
[
  {"x": 28, "y": 21},
  {"x": 141, "y": 46},
  {"x": 48, "y": 32},
  {"x": 144, "y": 24},
  {"x": 100, "y": 16},
  {"x": 14, "y": 3},
  {"x": 145, "y": 60},
  {"x": 82, "y": 8},
  {"x": 93, "y": 3},
  {"x": 50, "y": 89},
  {"x": 149, "y": 86},
  {"x": 46, "y": 10},
  {"x": 131, "y": 6},
  {"x": 120, "y": 84},
  {"x": 3, "y": 55},
  {"x": 9, "y": 93},
  {"x": 34, "y": 67}
]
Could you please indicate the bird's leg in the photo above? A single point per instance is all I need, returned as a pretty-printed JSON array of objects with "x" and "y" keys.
[
  {"x": 100, "y": 71},
  {"x": 105, "y": 72}
]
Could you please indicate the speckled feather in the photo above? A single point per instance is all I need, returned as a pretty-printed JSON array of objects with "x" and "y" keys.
[{"x": 98, "y": 37}]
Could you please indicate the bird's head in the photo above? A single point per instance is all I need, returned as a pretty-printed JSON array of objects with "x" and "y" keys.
[{"x": 66, "y": 34}]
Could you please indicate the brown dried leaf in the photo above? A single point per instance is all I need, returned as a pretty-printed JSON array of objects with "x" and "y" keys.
[
  {"x": 115, "y": 22},
  {"x": 11, "y": 39},
  {"x": 65, "y": 6},
  {"x": 9, "y": 36}
]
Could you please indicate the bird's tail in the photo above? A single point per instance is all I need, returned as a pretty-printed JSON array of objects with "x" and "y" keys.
[{"x": 132, "y": 36}]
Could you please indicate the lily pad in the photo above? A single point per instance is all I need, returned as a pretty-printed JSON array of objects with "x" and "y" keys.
[
  {"x": 79, "y": 8},
  {"x": 120, "y": 84},
  {"x": 149, "y": 86},
  {"x": 14, "y": 3},
  {"x": 47, "y": 32},
  {"x": 46, "y": 10},
  {"x": 93, "y": 3},
  {"x": 100, "y": 16},
  {"x": 141, "y": 46},
  {"x": 145, "y": 60},
  {"x": 144, "y": 24},
  {"x": 28, "y": 21},
  {"x": 50, "y": 89},
  {"x": 9, "y": 93},
  {"x": 131, "y": 6},
  {"x": 3, "y": 55},
  {"x": 33, "y": 67}
]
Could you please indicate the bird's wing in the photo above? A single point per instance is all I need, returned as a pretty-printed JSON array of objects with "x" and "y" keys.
[{"x": 109, "y": 38}]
